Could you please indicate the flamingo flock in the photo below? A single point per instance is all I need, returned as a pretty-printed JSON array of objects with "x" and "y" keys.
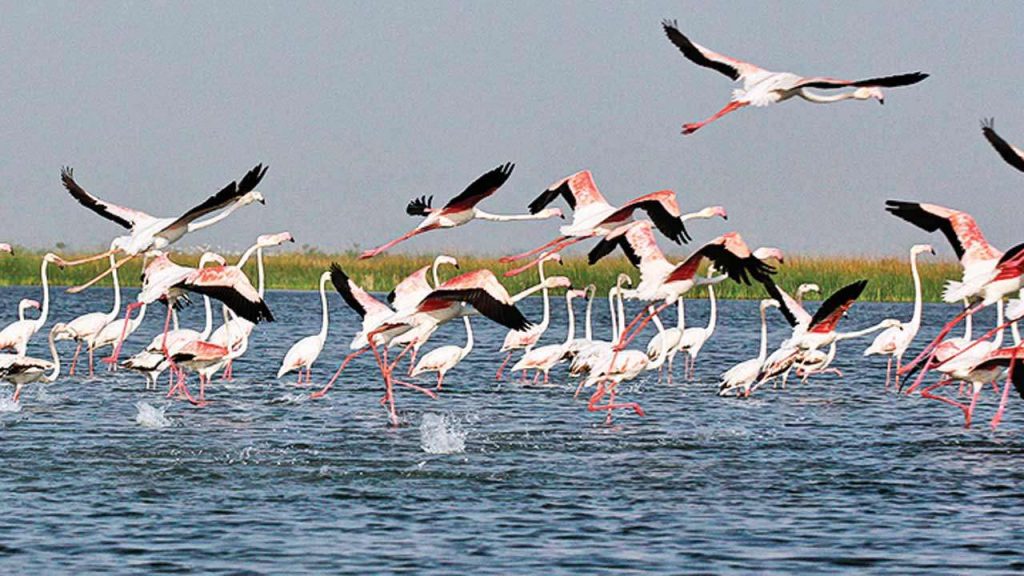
[{"x": 395, "y": 328}]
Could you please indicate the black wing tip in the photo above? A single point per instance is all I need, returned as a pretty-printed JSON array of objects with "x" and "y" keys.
[
  {"x": 668, "y": 24},
  {"x": 419, "y": 206},
  {"x": 988, "y": 124}
]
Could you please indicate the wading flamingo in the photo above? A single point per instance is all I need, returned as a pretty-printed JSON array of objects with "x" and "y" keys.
[
  {"x": 762, "y": 87},
  {"x": 526, "y": 339},
  {"x": 20, "y": 370},
  {"x": 461, "y": 209},
  {"x": 738, "y": 379},
  {"x": 543, "y": 359},
  {"x": 204, "y": 358},
  {"x": 894, "y": 341},
  {"x": 147, "y": 232},
  {"x": 303, "y": 353},
  {"x": 17, "y": 334},
  {"x": 85, "y": 328},
  {"x": 442, "y": 359},
  {"x": 693, "y": 339},
  {"x": 592, "y": 354}
]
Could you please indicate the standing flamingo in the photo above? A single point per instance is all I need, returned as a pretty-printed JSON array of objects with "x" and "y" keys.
[
  {"x": 147, "y": 232},
  {"x": 590, "y": 355},
  {"x": 543, "y": 359},
  {"x": 17, "y": 334},
  {"x": 742, "y": 376},
  {"x": 526, "y": 339},
  {"x": 593, "y": 216},
  {"x": 1013, "y": 155},
  {"x": 20, "y": 369},
  {"x": 578, "y": 344},
  {"x": 693, "y": 339},
  {"x": 303, "y": 353},
  {"x": 461, "y": 209},
  {"x": 444, "y": 358},
  {"x": 895, "y": 341},
  {"x": 204, "y": 358},
  {"x": 762, "y": 87},
  {"x": 84, "y": 329}
]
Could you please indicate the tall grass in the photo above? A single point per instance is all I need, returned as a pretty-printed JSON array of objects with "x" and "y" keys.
[{"x": 889, "y": 278}]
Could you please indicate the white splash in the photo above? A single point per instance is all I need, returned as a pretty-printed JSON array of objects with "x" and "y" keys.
[
  {"x": 440, "y": 434},
  {"x": 9, "y": 405},
  {"x": 150, "y": 416}
]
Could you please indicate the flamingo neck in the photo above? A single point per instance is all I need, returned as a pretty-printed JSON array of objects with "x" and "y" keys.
[
  {"x": 586, "y": 329},
  {"x": 915, "y": 320},
  {"x": 968, "y": 322},
  {"x": 611, "y": 310},
  {"x": 174, "y": 317},
  {"x": 762, "y": 352},
  {"x": 825, "y": 98},
  {"x": 323, "y": 308},
  {"x": 469, "y": 337},
  {"x": 117, "y": 291},
  {"x": 246, "y": 255},
  {"x": 997, "y": 342},
  {"x": 45, "y": 310},
  {"x": 681, "y": 315},
  {"x": 199, "y": 225},
  {"x": 259, "y": 271},
  {"x": 622, "y": 313},
  {"x": 571, "y": 333},
  {"x": 55, "y": 372},
  {"x": 477, "y": 213},
  {"x": 663, "y": 351},
  {"x": 713, "y": 315}
]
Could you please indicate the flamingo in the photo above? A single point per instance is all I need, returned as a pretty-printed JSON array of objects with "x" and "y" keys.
[
  {"x": 303, "y": 353},
  {"x": 742, "y": 376},
  {"x": 762, "y": 87},
  {"x": 84, "y": 329},
  {"x": 147, "y": 232},
  {"x": 593, "y": 354},
  {"x": 988, "y": 370},
  {"x": 20, "y": 369},
  {"x": 693, "y": 339},
  {"x": 461, "y": 209},
  {"x": 204, "y": 358},
  {"x": 152, "y": 360},
  {"x": 895, "y": 341},
  {"x": 593, "y": 216},
  {"x": 442, "y": 359},
  {"x": 526, "y": 339},
  {"x": 242, "y": 327},
  {"x": 671, "y": 337},
  {"x": 1013, "y": 155},
  {"x": 5, "y": 247},
  {"x": 543, "y": 359},
  {"x": 579, "y": 344},
  {"x": 409, "y": 292},
  {"x": 24, "y": 305},
  {"x": 17, "y": 334}
]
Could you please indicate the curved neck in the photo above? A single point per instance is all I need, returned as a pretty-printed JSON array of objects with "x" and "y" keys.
[
  {"x": 246, "y": 255},
  {"x": 45, "y": 310},
  {"x": 52, "y": 376},
  {"x": 199, "y": 225},
  {"x": 571, "y": 333},
  {"x": 323, "y": 308},
  {"x": 663, "y": 352},
  {"x": 586, "y": 329},
  {"x": 138, "y": 319},
  {"x": 824, "y": 98},
  {"x": 117, "y": 291},
  {"x": 208, "y": 327},
  {"x": 622, "y": 313},
  {"x": 762, "y": 352},
  {"x": 433, "y": 270},
  {"x": 469, "y": 337},
  {"x": 713, "y": 315},
  {"x": 915, "y": 320},
  {"x": 544, "y": 291}
]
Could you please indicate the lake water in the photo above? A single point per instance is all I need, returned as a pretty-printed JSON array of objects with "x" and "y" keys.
[{"x": 836, "y": 475}]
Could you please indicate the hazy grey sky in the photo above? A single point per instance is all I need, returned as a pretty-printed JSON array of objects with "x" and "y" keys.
[{"x": 358, "y": 107}]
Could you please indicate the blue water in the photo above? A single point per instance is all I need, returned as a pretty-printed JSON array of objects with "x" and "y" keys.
[{"x": 835, "y": 475}]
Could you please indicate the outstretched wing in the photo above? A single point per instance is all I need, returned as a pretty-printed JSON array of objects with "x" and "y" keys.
[
  {"x": 222, "y": 199},
  {"x": 578, "y": 190},
  {"x": 486, "y": 304},
  {"x": 356, "y": 298},
  {"x": 881, "y": 82},
  {"x": 833, "y": 308},
  {"x": 663, "y": 209},
  {"x": 728, "y": 255},
  {"x": 481, "y": 188},
  {"x": 1013, "y": 155},
  {"x": 606, "y": 246},
  {"x": 929, "y": 220},
  {"x": 419, "y": 206},
  {"x": 231, "y": 286},
  {"x": 734, "y": 69},
  {"x": 120, "y": 215},
  {"x": 791, "y": 311}
]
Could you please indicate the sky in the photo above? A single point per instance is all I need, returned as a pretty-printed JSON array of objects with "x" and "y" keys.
[{"x": 359, "y": 107}]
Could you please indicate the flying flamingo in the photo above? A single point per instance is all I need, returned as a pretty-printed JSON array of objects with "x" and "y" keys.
[
  {"x": 762, "y": 87},
  {"x": 594, "y": 217},
  {"x": 17, "y": 334},
  {"x": 147, "y": 232},
  {"x": 442, "y": 359},
  {"x": 526, "y": 339},
  {"x": 461, "y": 209},
  {"x": 204, "y": 358},
  {"x": 303, "y": 353},
  {"x": 895, "y": 341},
  {"x": 1013, "y": 155},
  {"x": 543, "y": 359},
  {"x": 84, "y": 329},
  {"x": 742, "y": 376},
  {"x": 408, "y": 293},
  {"x": 152, "y": 360},
  {"x": 20, "y": 370}
]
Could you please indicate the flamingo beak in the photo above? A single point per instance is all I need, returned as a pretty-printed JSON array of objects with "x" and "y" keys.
[{"x": 881, "y": 101}]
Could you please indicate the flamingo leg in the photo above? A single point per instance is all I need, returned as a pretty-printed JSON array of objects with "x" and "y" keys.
[
  {"x": 556, "y": 248},
  {"x": 927, "y": 352},
  {"x": 692, "y": 127},
  {"x": 124, "y": 329},
  {"x": 322, "y": 392},
  {"x": 440, "y": 380},
  {"x": 502, "y": 367},
  {"x": 74, "y": 360},
  {"x": 414, "y": 232},
  {"x": 77, "y": 289},
  {"x": 592, "y": 405},
  {"x": 426, "y": 391},
  {"x": 1006, "y": 391},
  {"x": 89, "y": 258},
  {"x": 513, "y": 258}
]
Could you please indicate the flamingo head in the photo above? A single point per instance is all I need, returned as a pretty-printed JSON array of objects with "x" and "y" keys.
[
  {"x": 769, "y": 303},
  {"x": 208, "y": 257},
  {"x": 869, "y": 92},
  {"x": 558, "y": 282},
  {"x": 805, "y": 288},
  {"x": 251, "y": 197},
  {"x": 52, "y": 258},
  {"x": 590, "y": 290},
  {"x": 570, "y": 294},
  {"x": 552, "y": 257},
  {"x": 60, "y": 332},
  {"x": 623, "y": 279},
  {"x": 268, "y": 240},
  {"x": 714, "y": 211},
  {"x": 919, "y": 248},
  {"x": 6, "y": 248},
  {"x": 443, "y": 259},
  {"x": 769, "y": 252}
]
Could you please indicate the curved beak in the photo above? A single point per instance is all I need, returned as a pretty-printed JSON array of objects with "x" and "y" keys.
[{"x": 881, "y": 101}]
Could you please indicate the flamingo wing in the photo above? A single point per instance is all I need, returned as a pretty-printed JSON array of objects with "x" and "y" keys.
[
  {"x": 577, "y": 190},
  {"x": 607, "y": 245},
  {"x": 419, "y": 206},
  {"x": 737, "y": 262},
  {"x": 1006, "y": 357},
  {"x": 1013, "y": 155},
  {"x": 226, "y": 196},
  {"x": 930, "y": 218},
  {"x": 663, "y": 209},
  {"x": 231, "y": 286},
  {"x": 356, "y": 298},
  {"x": 481, "y": 188},
  {"x": 734, "y": 69},
  {"x": 120, "y": 215},
  {"x": 882, "y": 81},
  {"x": 793, "y": 312},
  {"x": 410, "y": 290},
  {"x": 832, "y": 309},
  {"x": 486, "y": 304}
]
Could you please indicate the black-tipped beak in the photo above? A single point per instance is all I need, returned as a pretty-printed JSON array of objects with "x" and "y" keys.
[
  {"x": 725, "y": 217},
  {"x": 562, "y": 216},
  {"x": 932, "y": 251},
  {"x": 263, "y": 201},
  {"x": 457, "y": 267},
  {"x": 881, "y": 101}
]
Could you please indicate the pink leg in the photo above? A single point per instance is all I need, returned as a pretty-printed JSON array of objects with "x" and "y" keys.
[
  {"x": 322, "y": 392},
  {"x": 120, "y": 341},
  {"x": 440, "y": 379},
  {"x": 426, "y": 391},
  {"x": 502, "y": 367},
  {"x": 74, "y": 360},
  {"x": 592, "y": 406},
  {"x": 926, "y": 353},
  {"x": 373, "y": 252},
  {"x": 412, "y": 360},
  {"x": 692, "y": 127},
  {"x": 556, "y": 248},
  {"x": 91, "y": 356},
  {"x": 1006, "y": 391},
  {"x": 509, "y": 259}
]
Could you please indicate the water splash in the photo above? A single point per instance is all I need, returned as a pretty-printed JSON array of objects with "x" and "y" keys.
[
  {"x": 9, "y": 405},
  {"x": 441, "y": 434},
  {"x": 150, "y": 416}
]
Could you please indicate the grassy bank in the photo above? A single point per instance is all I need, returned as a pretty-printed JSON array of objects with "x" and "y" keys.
[{"x": 889, "y": 278}]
